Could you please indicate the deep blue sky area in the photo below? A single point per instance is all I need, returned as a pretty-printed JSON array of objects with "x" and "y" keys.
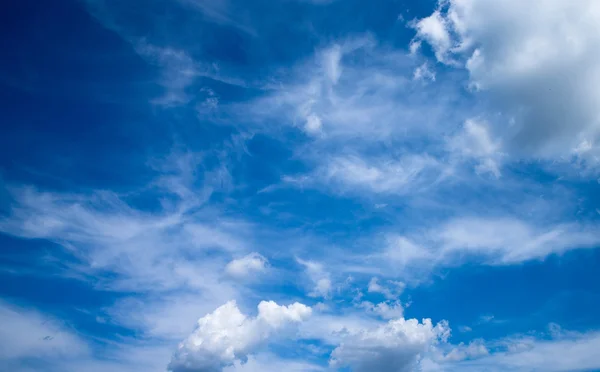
[{"x": 301, "y": 185}]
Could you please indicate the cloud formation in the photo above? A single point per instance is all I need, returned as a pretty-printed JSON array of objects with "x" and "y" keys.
[
  {"x": 226, "y": 335},
  {"x": 251, "y": 264},
  {"x": 28, "y": 334},
  {"x": 536, "y": 61},
  {"x": 393, "y": 347},
  {"x": 495, "y": 241}
]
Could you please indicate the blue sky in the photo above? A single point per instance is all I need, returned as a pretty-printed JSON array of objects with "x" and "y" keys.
[{"x": 301, "y": 185}]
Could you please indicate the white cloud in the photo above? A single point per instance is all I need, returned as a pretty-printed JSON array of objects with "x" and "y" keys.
[
  {"x": 145, "y": 250},
  {"x": 424, "y": 73},
  {"x": 166, "y": 317},
  {"x": 391, "y": 292},
  {"x": 475, "y": 142},
  {"x": 434, "y": 30},
  {"x": 223, "y": 12},
  {"x": 572, "y": 352},
  {"x": 271, "y": 363},
  {"x": 313, "y": 124},
  {"x": 506, "y": 241},
  {"x": 179, "y": 71},
  {"x": 319, "y": 277},
  {"x": 494, "y": 241},
  {"x": 474, "y": 349},
  {"x": 331, "y": 63},
  {"x": 226, "y": 335},
  {"x": 538, "y": 61},
  {"x": 251, "y": 264},
  {"x": 28, "y": 334},
  {"x": 395, "y": 346},
  {"x": 357, "y": 89},
  {"x": 168, "y": 260},
  {"x": 393, "y": 310},
  {"x": 382, "y": 176},
  {"x": 401, "y": 251}
]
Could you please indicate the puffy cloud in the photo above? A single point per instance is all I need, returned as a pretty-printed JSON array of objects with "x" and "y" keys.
[
  {"x": 226, "y": 335},
  {"x": 392, "y": 347},
  {"x": 538, "y": 62},
  {"x": 434, "y": 30},
  {"x": 251, "y": 264}
]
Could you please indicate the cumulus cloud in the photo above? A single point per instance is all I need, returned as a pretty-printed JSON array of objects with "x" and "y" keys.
[
  {"x": 538, "y": 62},
  {"x": 226, "y": 335},
  {"x": 434, "y": 30},
  {"x": 392, "y": 347},
  {"x": 251, "y": 264}
]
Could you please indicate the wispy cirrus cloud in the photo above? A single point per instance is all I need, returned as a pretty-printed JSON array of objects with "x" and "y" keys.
[
  {"x": 526, "y": 353},
  {"x": 27, "y": 334},
  {"x": 385, "y": 163},
  {"x": 493, "y": 241}
]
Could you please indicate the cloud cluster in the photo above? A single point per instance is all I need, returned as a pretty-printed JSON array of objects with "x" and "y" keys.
[
  {"x": 538, "y": 62},
  {"x": 392, "y": 347},
  {"x": 170, "y": 261},
  {"x": 226, "y": 335},
  {"x": 368, "y": 121}
]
